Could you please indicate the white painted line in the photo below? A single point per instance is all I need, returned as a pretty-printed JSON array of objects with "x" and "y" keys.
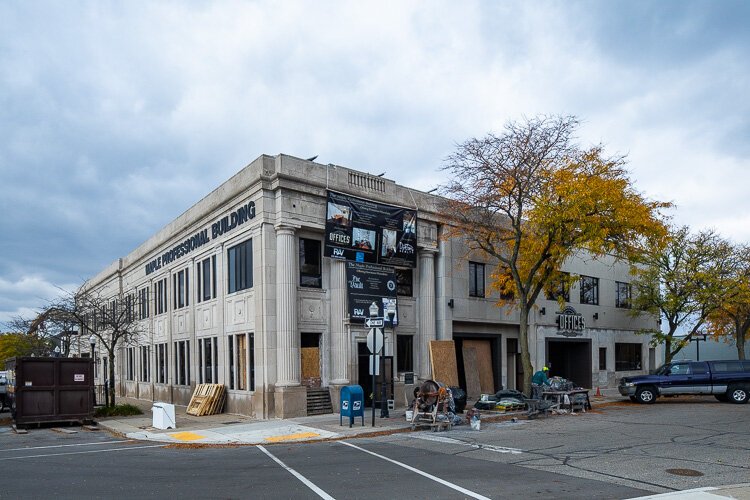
[
  {"x": 421, "y": 473},
  {"x": 83, "y": 452},
  {"x": 303, "y": 479},
  {"x": 478, "y": 446},
  {"x": 65, "y": 445}
]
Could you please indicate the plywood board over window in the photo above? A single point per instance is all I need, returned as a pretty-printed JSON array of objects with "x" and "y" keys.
[
  {"x": 311, "y": 366},
  {"x": 471, "y": 371},
  {"x": 483, "y": 364},
  {"x": 443, "y": 362}
]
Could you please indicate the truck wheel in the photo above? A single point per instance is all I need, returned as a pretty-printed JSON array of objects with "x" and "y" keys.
[
  {"x": 737, "y": 394},
  {"x": 646, "y": 395},
  {"x": 722, "y": 397}
]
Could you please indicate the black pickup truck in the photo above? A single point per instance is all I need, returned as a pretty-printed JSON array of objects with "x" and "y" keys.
[{"x": 725, "y": 380}]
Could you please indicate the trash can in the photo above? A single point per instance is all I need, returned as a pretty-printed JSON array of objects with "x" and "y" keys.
[
  {"x": 163, "y": 416},
  {"x": 352, "y": 404}
]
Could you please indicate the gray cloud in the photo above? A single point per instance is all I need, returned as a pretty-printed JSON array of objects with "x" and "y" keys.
[{"x": 116, "y": 117}]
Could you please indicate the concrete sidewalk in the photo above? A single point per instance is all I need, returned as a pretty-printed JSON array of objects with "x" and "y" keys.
[
  {"x": 238, "y": 429},
  {"x": 227, "y": 428}
]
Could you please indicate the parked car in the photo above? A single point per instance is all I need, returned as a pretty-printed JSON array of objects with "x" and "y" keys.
[
  {"x": 725, "y": 380},
  {"x": 4, "y": 390}
]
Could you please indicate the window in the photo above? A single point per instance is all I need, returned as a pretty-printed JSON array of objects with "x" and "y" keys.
[
  {"x": 206, "y": 273},
  {"x": 476, "y": 279},
  {"x": 129, "y": 308},
  {"x": 143, "y": 303},
  {"x": 589, "y": 290},
  {"x": 182, "y": 362},
  {"x": 622, "y": 299},
  {"x": 239, "y": 368},
  {"x": 145, "y": 364},
  {"x": 240, "y": 266},
  {"x": 405, "y": 282},
  {"x": 559, "y": 288},
  {"x": 160, "y": 296},
  {"x": 208, "y": 354},
  {"x": 309, "y": 263},
  {"x": 130, "y": 362},
  {"x": 602, "y": 358},
  {"x": 627, "y": 357},
  {"x": 161, "y": 363},
  {"x": 180, "y": 287},
  {"x": 405, "y": 353}
]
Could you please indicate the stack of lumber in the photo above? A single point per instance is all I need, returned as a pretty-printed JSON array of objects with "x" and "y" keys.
[{"x": 208, "y": 399}]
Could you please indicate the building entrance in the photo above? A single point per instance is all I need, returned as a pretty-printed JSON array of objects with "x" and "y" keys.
[
  {"x": 570, "y": 359},
  {"x": 310, "y": 353},
  {"x": 365, "y": 379}
]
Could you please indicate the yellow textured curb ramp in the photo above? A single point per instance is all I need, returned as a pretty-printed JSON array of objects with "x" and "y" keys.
[
  {"x": 289, "y": 437},
  {"x": 187, "y": 436}
]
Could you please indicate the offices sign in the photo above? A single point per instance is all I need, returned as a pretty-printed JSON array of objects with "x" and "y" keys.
[
  {"x": 365, "y": 231},
  {"x": 570, "y": 323}
]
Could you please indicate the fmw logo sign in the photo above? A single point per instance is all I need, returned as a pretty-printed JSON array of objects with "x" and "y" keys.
[
  {"x": 338, "y": 252},
  {"x": 359, "y": 312}
]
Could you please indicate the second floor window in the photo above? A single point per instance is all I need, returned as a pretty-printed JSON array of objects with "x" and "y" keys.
[
  {"x": 180, "y": 287},
  {"x": 206, "y": 273},
  {"x": 309, "y": 263},
  {"x": 160, "y": 296},
  {"x": 405, "y": 282},
  {"x": 476, "y": 279},
  {"x": 143, "y": 303},
  {"x": 589, "y": 290},
  {"x": 559, "y": 288},
  {"x": 240, "y": 267},
  {"x": 622, "y": 299}
]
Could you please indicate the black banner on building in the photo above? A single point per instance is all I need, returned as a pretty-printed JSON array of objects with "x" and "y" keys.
[
  {"x": 367, "y": 284},
  {"x": 366, "y": 231}
]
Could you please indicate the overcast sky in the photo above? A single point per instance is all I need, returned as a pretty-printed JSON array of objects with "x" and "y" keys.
[{"x": 115, "y": 117}]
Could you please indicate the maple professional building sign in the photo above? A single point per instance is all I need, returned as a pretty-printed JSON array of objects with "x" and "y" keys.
[{"x": 366, "y": 231}]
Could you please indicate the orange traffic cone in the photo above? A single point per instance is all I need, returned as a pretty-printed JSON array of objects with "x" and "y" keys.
[{"x": 598, "y": 392}]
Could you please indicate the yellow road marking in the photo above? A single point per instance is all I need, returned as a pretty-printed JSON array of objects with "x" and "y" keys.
[
  {"x": 289, "y": 437},
  {"x": 187, "y": 436}
]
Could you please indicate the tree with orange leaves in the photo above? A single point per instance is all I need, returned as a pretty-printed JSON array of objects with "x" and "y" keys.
[
  {"x": 731, "y": 319},
  {"x": 530, "y": 198}
]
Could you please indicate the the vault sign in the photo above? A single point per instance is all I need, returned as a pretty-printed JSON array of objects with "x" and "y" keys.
[{"x": 570, "y": 323}]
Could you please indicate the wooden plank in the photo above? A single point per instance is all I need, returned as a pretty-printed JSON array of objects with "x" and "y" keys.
[
  {"x": 471, "y": 371},
  {"x": 484, "y": 364},
  {"x": 310, "y": 366},
  {"x": 443, "y": 362}
]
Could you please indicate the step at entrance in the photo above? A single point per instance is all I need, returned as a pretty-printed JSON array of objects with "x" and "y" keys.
[{"x": 318, "y": 401}]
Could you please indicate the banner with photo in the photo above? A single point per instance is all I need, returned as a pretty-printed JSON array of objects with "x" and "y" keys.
[
  {"x": 367, "y": 284},
  {"x": 367, "y": 231}
]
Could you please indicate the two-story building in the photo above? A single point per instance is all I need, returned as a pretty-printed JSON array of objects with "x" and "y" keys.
[{"x": 265, "y": 284}]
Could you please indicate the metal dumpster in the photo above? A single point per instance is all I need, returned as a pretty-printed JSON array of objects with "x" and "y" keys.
[{"x": 50, "y": 389}]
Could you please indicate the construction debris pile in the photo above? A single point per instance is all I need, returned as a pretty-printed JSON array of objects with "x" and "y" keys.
[{"x": 434, "y": 406}]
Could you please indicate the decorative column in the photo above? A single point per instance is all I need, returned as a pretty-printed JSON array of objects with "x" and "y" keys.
[
  {"x": 287, "y": 337},
  {"x": 339, "y": 335},
  {"x": 427, "y": 317}
]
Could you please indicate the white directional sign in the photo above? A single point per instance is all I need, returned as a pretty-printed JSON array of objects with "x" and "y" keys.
[
  {"x": 374, "y": 364},
  {"x": 374, "y": 322},
  {"x": 375, "y": 340}
]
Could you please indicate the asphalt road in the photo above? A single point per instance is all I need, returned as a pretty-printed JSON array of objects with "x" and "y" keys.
[{"x": 620, "y": 451}]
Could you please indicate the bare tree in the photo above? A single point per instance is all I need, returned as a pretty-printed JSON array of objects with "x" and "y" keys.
[{"x": 112, "y": 320}]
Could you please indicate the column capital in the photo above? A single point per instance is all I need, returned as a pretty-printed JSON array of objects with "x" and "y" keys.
[
  {"x": 431, "y": 251},
  {"x": 284, "y": 227}
]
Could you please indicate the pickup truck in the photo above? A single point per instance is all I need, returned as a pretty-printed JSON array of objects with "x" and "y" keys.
[{"x": 725, "y": 380}]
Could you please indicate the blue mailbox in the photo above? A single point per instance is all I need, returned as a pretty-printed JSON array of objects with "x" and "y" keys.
[{"x": 352, "y": 403}]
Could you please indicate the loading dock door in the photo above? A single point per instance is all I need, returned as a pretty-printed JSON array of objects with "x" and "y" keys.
[{"x": 570, "y": 359}]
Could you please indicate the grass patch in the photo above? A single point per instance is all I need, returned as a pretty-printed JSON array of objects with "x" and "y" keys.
[{"x": 125, "y": 410}]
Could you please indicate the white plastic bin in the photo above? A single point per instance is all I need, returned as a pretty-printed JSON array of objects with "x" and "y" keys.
[{"x": 163, "y": 416}]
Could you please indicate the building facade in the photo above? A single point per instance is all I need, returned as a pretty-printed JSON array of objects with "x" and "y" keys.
[{"x": 255, "y": 287}]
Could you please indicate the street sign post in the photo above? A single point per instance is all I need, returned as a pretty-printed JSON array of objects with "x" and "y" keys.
[{"x": 374, "y": 364}]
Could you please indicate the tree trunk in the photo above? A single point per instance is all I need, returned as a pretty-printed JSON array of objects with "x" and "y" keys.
[
  {"x": 523, "y": 340},
  {"x": 111, "y": 375},
  {"x": 740, "y": 342}
]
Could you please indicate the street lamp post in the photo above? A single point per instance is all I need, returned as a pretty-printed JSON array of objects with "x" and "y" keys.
[
  {"x": 92, "y": 342},
  {"x": 383, "y": 400}
]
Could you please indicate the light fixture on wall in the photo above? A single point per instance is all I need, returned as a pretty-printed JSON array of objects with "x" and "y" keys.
[
  {"x": 450, "y": 303},
  {"x": 596, "y": 315},
  {"x": 543, "y": 311}
]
